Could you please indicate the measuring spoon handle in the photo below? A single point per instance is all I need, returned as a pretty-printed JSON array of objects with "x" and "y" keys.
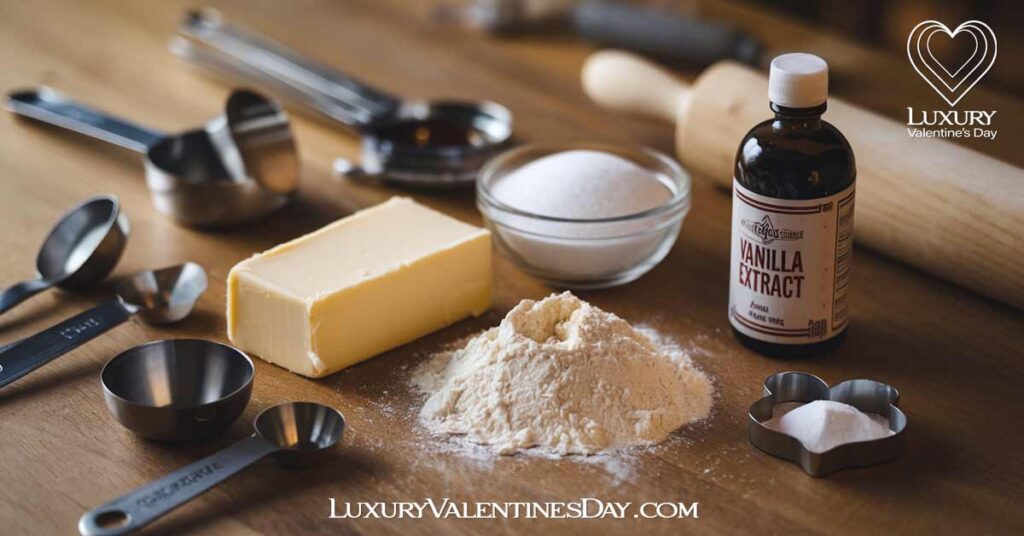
[
  {"x": 20, "y": 292},
  {"x": 144, "y": 505},
  {"x": 210, "y": 41},
  {"x": 46, "y": 105},
  {"x": 29, "y": 354}
]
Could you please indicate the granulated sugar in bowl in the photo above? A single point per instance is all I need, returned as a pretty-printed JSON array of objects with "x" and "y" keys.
[{"x": 585, "y": 215}]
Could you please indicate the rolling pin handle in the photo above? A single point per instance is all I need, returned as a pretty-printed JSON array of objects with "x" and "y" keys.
[{"x": 625, "y": 82}]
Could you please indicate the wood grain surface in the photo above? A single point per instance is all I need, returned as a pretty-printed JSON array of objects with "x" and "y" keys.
[{"x": 956, "y": 358}]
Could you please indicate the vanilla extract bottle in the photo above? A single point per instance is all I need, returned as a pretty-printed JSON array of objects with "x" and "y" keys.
[{"x": 792, "y": 219}]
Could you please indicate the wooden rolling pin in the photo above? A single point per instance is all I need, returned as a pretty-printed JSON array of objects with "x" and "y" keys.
[{"x": 945, "y": 209}]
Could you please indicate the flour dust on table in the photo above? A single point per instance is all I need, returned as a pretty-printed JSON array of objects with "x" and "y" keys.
[{"x": 560, "y": 376}]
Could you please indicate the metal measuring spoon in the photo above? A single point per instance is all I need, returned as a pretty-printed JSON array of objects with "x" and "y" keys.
[
  {"x": 297, "y": 434},
  {"x": 159, "y": 296},
  {"x": 241, "y": 165},
  {"x": 80, "y": 250},
  {"x": 412, "y": 142}
]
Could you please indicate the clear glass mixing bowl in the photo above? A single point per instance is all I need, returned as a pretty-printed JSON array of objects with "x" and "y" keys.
[{"x": 585, "y": 253}]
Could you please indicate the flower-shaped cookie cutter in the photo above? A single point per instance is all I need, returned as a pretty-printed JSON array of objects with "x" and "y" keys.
[{"x": 866, "y": 395}]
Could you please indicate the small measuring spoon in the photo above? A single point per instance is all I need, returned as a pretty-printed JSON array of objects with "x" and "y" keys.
[
  {"x": 80, "y": 250},
  {"x": 297, "y": 434},
  {"x": 240, "y": 166},
  {"x": 424, "y": 143},
  {"x": 159, "y": 296}
]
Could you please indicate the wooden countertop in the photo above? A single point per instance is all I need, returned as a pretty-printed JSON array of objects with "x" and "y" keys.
[{"x": 956, "y": 358}]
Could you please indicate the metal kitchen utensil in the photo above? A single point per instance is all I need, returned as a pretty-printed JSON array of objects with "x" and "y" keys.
[
  {"x": 297, "y": 434},
  {"x": 664, "y": 34},
  {"x": 240, "y": 166},
  {"x": 80, "y": 250},
  {"x": 415, "y": 143},
  {"x": 178, "y": 389},
  {"x": 159, "y": 296},
  {"x": 866, "y": 395}
]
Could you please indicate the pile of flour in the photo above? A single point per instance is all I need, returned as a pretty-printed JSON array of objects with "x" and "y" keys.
[{"x": 561, "y": 376}]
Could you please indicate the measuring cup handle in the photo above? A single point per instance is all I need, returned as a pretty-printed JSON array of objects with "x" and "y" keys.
[
  {"x": 210, "y": 41},
  {"x": 151, "y": 501},
  {"x": 20, "y": 292},
  {"x": 33, "y": 352},
  {"x": 46, "y": 105}
]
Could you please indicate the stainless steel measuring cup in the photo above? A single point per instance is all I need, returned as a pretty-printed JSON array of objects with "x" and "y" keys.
[
  {"x": 411, "y": 142},
  {"x": 178, "y": 389},
  {"x": 159, "y": 296},
  {"x": 240, "y": 166},
  {"x": 297, "y": 434},
  {"x": 80, "y": 250}
]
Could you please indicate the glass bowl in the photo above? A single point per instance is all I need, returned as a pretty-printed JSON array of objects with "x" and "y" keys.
[{"x": 585, "y": 253}]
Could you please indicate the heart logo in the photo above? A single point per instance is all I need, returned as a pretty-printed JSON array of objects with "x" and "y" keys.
[{"x": 951, "y": 84}]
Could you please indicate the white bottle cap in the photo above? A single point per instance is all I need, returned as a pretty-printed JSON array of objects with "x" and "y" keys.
[{"x": 798, "y": 81}]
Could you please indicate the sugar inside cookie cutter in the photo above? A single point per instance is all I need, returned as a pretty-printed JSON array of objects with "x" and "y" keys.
[{"x": 866, "y": 395}]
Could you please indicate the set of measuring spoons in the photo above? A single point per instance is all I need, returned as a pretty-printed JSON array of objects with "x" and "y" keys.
[
  {"x": 190, "y": 389},
  {"x": 81, "y": 250},
  {"x": 167, "y": 390}
]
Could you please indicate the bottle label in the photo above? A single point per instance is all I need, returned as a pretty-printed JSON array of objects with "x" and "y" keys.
[{"x": 790, "y": 267}]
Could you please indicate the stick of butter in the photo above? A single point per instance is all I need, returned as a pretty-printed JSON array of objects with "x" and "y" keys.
[{"x": 358, "y": 287}]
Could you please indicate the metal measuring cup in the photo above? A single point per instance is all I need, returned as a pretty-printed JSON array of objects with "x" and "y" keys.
[
  {"x": 80, "y": 250},
  {"x": 159, "y": 296},
  {"x": 297, "y": 434},
  {"x": 411, "y": 142},
  {"x": 240, "y": 166},
  {"x": 178, "y": 389}
]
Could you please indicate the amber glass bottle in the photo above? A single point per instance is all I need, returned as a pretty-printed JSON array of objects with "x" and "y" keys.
[{"x": 792, "y": 221}]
